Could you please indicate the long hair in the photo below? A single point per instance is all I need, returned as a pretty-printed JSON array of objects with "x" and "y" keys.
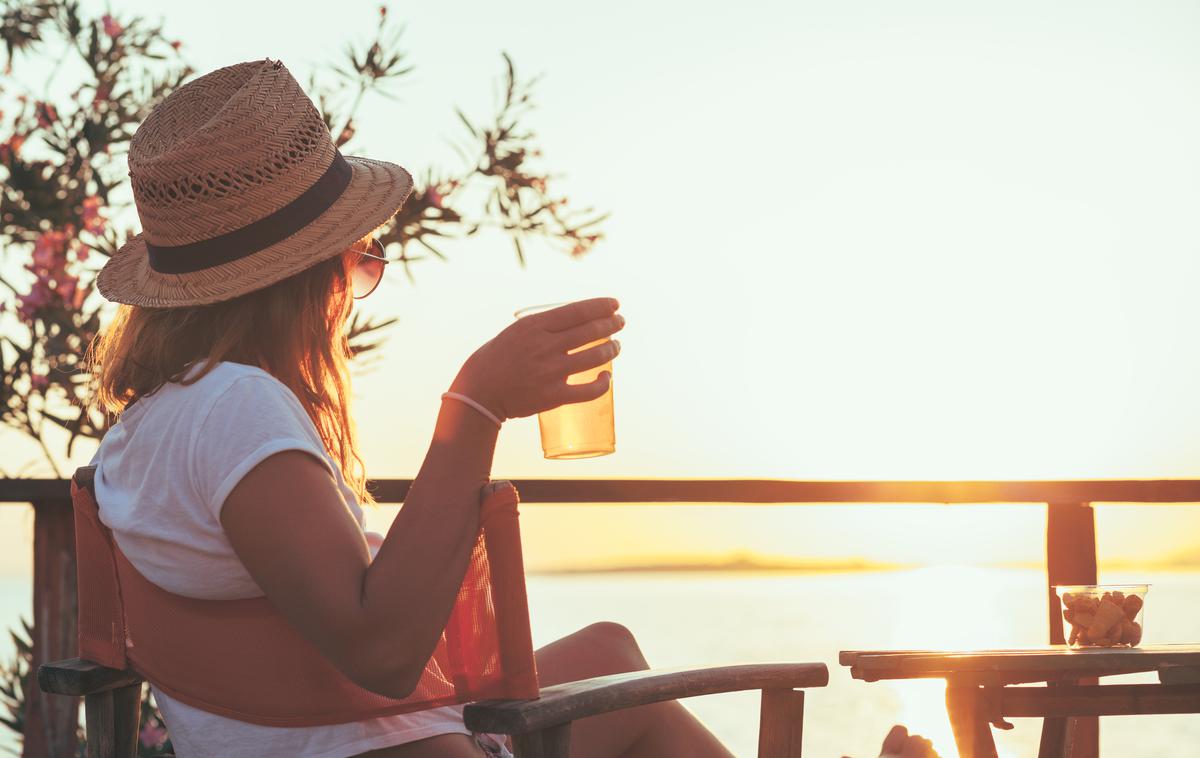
[{"x": 293, "y": 329}]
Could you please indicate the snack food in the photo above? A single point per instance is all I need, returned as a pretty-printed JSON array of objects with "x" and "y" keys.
[{"x": 1100, "y": 617}]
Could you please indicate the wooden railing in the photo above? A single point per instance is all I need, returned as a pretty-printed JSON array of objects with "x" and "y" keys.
[{"x": 1070, "y": 545}]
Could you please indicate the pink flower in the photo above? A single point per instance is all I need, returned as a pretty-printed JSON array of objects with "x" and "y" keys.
[
  {"x": 66, "y": 288},
  {"x": 433, "y": 197},
  {"x": 50, "y": 248},
  {"x": 111, "y": 26},
  {"x": 54, "y": 285},
  {"x": 43, "y": 258},
  {"x": 92, "y": 220},
  {"x": 40, "y": 382},
  {"x": 152, "y": 735},
  {"x": 383, "y": 11},
  {"x": 176, "y": 44},
  {"x": 28, "y": 304},
  {"x": 38, "y": 296}
]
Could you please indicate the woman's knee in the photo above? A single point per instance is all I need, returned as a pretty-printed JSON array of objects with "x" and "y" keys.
[
  {"x": 616, "y": 645},
  {"x": 596, "y": 650}
]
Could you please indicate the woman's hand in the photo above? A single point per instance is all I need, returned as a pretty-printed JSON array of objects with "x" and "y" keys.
[{"x": 523, "y": 370}]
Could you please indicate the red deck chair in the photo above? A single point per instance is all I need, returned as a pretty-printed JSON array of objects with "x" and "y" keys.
[{"x": 240, "y": 658}]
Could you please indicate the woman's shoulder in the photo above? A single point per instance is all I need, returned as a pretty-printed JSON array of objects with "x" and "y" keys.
[
  {"x": 199, "y": 391},
  {"x": 227, "y": 395},
  {"x": 244, "y": 416},
  {"x": 238, "y": 393},
  {"x": 225, "y": 374}
]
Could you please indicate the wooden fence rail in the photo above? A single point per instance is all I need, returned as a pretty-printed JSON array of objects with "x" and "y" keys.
[{"x": 1070, "y": 546}]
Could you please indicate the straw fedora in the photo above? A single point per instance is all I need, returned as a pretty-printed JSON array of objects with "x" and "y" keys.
[{"x": 237, "y": 186}]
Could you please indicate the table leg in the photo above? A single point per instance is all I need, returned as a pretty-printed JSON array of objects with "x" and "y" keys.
[
  {"x": 1054, "y": 738},
  {"x": 972, "y": 731}
]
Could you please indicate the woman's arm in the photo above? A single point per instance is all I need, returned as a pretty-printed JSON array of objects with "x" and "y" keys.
[
  {"x": 379, "y": 621},
  {"x": 424, "y": 557}
]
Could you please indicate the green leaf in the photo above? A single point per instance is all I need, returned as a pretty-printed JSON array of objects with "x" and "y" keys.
[
  {"x": 462, "y": 116},
  {"x": 431, "y": 248}
]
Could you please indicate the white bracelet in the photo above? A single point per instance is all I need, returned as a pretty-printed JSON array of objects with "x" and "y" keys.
[{"x": 477, "y": 406}]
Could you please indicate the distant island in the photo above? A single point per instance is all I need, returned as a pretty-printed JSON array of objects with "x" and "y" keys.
[
  {"x": 1183, "y": 561},
  {"x": 752, "y": 563},
  {"x": 739, "y": 563}
]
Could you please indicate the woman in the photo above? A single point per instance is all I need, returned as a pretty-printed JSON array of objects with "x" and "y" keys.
[{"x": 233, "y": 469}]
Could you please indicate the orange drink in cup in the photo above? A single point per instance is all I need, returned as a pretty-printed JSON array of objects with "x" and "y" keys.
[{"x": 578, "y": 430}]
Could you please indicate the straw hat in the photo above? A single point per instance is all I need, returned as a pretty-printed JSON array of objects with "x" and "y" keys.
[{"x": 238, "y": 185}]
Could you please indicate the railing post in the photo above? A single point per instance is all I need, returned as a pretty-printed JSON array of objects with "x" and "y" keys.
[
  {"x": 51, "y": 722},
  {"x": 1070, "y": 559}
]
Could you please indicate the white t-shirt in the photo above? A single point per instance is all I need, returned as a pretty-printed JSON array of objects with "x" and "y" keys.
[{"x": 164, "y": 471}]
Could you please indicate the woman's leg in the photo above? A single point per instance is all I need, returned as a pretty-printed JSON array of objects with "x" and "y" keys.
[{"x": 646, "y": 731}]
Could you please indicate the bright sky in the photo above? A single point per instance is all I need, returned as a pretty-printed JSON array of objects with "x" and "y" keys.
[{"x": 851, "y": 240}]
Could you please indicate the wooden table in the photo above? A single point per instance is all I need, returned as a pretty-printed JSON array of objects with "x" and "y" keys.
[{"x": 980, "y": 691}]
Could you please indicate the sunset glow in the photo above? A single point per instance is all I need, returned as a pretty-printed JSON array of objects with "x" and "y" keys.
[{"x": 895, "y": 259}]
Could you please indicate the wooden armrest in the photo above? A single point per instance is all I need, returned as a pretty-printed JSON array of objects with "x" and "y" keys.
[
  {"x": 563, "y": 703},
  {"x": 75, "y": 676}
]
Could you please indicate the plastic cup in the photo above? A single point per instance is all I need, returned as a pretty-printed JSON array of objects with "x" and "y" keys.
[
  {"x": 578, "y": 430},
  {"x": 1103, "y": 615}
]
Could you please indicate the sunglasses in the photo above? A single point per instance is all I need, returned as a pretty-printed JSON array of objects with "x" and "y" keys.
[{"x": 368, "y": 270}]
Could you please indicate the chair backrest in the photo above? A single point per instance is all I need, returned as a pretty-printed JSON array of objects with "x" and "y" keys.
[
  {"x": 243, "y": 659},
  {"x": 101, "y": 621}
]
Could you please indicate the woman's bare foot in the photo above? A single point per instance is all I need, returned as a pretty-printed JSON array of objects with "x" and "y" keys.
[{"x": 900, "y": 744}]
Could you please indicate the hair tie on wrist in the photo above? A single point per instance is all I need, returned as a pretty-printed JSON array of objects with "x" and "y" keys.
[{"x": 477, "y": 406}]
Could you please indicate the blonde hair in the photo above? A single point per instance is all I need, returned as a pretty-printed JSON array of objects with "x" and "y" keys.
[{"x": 293, "y": 329}]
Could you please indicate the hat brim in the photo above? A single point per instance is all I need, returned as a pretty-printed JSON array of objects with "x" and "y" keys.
[{"x": 376, "y": 191}]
